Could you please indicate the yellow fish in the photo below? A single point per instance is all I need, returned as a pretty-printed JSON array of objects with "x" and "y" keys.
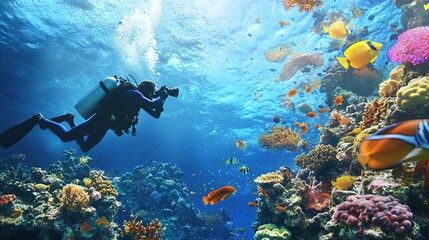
[
  {"x": 240, "y": 144},
  {"x": 395, "y": 144},
  {"x": 360, "y": 54},
  {"x": 336, "y": 30},
  {"x": 426, "y": 6},
  {"x": 343, "y": 182}
]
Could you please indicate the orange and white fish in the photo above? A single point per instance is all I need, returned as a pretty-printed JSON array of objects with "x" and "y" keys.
[
  {"x": 395, "y": 144},
  {"x": 218, "y": 195},
  {"x": 240, "y": 144}
]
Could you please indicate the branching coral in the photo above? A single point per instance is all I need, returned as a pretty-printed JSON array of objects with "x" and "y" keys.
[
  {"x": 280, "y": 138},
  {"x": 304, "y": 5},
  {"x": 374, "y": 113},
  {"x": 321, "y": 159},
  {"x": 136, "y": 230},
  {"x": 74, "y": 198},
  {"x": 102, "y": 184},
  {"x": 272, "y": 177},
  {"x": 277, "y": 53},
  {"x": 298, "y": 61}
]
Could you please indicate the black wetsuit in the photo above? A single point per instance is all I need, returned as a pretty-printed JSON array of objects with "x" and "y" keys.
[{"x": 91, "y": 132}]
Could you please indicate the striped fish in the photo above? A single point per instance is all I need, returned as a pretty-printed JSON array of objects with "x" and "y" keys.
[{"x": 244, "y": 169}]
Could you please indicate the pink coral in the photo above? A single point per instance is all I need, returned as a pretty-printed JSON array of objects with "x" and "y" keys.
[
  {"x": 362, "y": 211},
  {"x": 412, "y": 46}
]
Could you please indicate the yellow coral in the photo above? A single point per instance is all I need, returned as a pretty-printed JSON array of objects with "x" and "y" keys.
[
  {"x": 272, "y": 177},
  {"x": 136, "y": 230},
  {"x": 280, "y": 138},
  {"x": 102, "y": 183},
  {"x": 416, "y": 93},
  {"x": 102, "y": 221},
  {"x": 74, "y": 197},
  {"x": 388, "y": 88},
  {"x": 396, "y": 73},
  {"x": 87, "y": 182}
]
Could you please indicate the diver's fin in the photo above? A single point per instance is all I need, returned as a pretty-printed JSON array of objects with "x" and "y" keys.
[
  {"x": 15, "y": 133},
  {"x": 344, "y": 62}
]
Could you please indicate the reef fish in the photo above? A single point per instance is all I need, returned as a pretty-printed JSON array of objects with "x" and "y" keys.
[
  {"x": 244, "y": 169},
  {"x": 218, "y": 195},
  {"x": 343, "y": 182},
  {"x": 240, "y": 144},
  {"x": 395, "y": 144},
  {"x": 232, "y": 160},
  {"x": 336, "y": 30},
  {"x": 338, "y": 100},
  {"x": 292, "y": 92},
  {"x": 426, "y": 6},
  {"x": 360, "y": 54}
]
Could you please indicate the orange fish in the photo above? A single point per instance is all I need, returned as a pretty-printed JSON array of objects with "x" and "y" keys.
[
  {"x": 297, "y": 124},
  {"x": 292, "y": 92},
  {"x": 307, "y": 88},
  {"x": 283, "y": 23},
  {"x": 304, "y": 128},
  {"x": 240, "y": 144},
  {"x": 253, "y": 204},
  {"x": 311, "y": 114},
  {"x": 325, "y": 195},
  {"x": 280, "y": 208},
  {"x": 338, "y": 100},
  {"x": 323, "y": 110},
  {"x": 317, "y": 126},
  {"x": 218, "y": 195},
  {"x": 395, "y": 144},
  {"x": 340, "y": 119}
]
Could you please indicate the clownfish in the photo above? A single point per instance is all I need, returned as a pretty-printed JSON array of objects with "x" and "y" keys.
[
  {"x": 360, "y": 54},
  {"x": 395, "y": 144},
  {"x": 218, "y": 195}
]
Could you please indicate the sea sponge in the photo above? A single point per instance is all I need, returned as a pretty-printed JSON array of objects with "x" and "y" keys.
[
  {"x": 272, "y": 232},
  {"x": 416, "y": 93},
  {"x": 280, "y": 138},
  {"x": 74, "y": 198},
  {"x": 412, "y": 46},
  {"x": 272, "y": 177}
]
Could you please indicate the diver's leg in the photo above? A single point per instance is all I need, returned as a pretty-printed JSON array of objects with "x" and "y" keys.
[
  {"x": 68, "y": 117},
  {"x": 93, "y": 139}
]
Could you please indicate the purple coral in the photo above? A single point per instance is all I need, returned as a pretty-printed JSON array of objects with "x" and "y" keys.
[
  {"x": 412, "y": 46},
  {"x": 362, "y": 211}
]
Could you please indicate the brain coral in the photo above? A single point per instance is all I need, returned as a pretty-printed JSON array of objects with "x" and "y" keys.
[
  {"x": 412, "y": 46},
  {"x": 414, "y": 94}
]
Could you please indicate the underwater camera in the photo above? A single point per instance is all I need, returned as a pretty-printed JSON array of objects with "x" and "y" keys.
[{"x": 174, "y": 92}]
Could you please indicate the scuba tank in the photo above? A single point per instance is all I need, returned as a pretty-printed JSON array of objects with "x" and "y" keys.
[{"x": 90, "y": 102}]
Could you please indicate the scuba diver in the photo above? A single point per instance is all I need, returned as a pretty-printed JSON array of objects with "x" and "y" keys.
[{"x": 113, "y": 104}]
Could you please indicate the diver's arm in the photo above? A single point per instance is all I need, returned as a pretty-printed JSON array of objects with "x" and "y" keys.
[{"x": 156, "y": 113}]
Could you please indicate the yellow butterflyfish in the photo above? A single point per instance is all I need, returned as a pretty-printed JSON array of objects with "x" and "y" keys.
[
  {"x": 336, "y": 30},
  {"x": 360, "y": 54},
  {"x": 343, "y": 182}
]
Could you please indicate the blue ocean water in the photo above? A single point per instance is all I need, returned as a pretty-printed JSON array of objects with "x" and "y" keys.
[{"x": 53, "y": 52}]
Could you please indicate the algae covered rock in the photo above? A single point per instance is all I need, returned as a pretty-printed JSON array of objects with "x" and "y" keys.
[{"x": 272, "y": 232}]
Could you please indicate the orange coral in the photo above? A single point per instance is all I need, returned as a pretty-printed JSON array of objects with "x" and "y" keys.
[
  {"x": 5, "y": 199},
  {"x": 85, "y": 226},
  {"x": 298, "y": 61},
  {"x": 277, "y": 53},
  {"x": 341, "y": 120},
  {"x": 137, "y": 231},
  {"x": 280, "y": 138},
  {"x": 304, "y": 5},
  {"x": 374, "y": 113},
  {"x": 315, "y": 198}
]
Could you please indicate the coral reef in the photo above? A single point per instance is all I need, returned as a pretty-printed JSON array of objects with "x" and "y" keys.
[
  {"x": 280, "y": 138},
  {"x": 297, "y": 61},
  {"x": 102, "y": 184},
  {"x": 135, "y": 230},
  {"x": 272, "y": 232},
  {"x": 361, "y": 211},
  {"x": 411, "y": 46},
  {"x": 277, "y": 53},
  {"x": 74, "y": 198},
  {"x": 413, "y": 13},
  {"x": 304, "y": 5},
  {"x": 321, "y": 160},
  {"x": 414, "y": 94}
]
